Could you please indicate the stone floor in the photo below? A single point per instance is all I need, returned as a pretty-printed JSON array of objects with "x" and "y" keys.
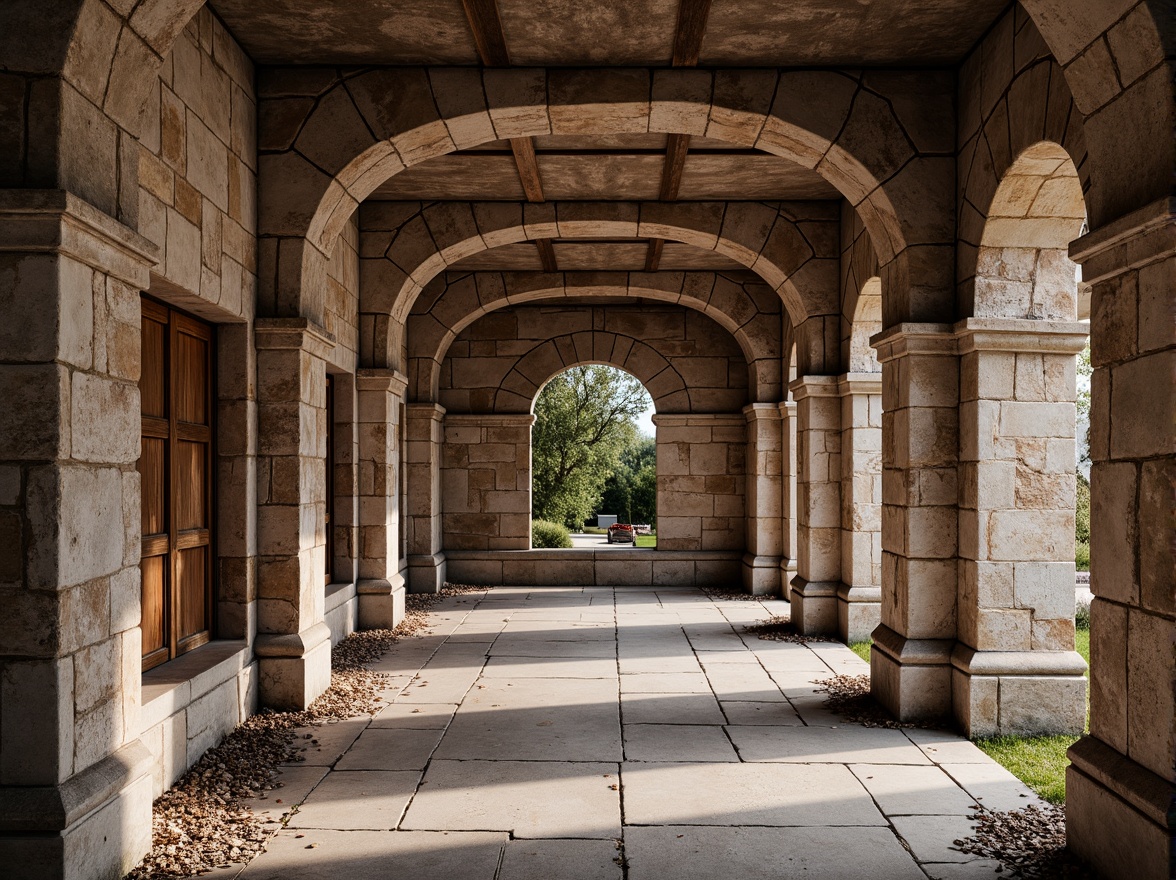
[{"x": 562, "y": 732}]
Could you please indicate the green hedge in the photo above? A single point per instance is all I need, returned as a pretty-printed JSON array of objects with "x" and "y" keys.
[{"x": 548, "y": 535}]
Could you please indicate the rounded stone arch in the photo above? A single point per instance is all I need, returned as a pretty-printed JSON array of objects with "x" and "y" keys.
[
  {"x": 866, "y": 322},
  {"x": 364, "y": 125},
  {"x": 1128, "y": 128},
  {"x": 746, "y": 314},
  {"x": 1023, "y": 268},
  {"x": 1004, "y": 168},
  {"x": 796, "y": 255}
]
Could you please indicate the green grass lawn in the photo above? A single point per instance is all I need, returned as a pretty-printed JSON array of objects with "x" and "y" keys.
[
  {"x": 862, "y": 649},
  {"x": 1040, "y": 761},
  {"x": 646, "y": 540}
]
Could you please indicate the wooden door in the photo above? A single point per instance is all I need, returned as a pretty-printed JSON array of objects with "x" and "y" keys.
[{"x": 176, "y": 473}]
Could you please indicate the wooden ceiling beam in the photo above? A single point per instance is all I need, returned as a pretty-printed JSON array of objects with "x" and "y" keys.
[
  {"x": 676, "y": 148},
  {"x": 546, "y": 254},
  {"x": 487, "y": 28},
  {"x": 523, "y": 149},
  {"x": 692, "y": 18},
  {"x": 654, "y": 255}
]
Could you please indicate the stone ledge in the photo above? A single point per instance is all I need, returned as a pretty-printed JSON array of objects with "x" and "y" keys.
[
  {"x": 912, "y": 652},
  {"x": 589, "y": 567},
  {"x": 972, "y": 662},
  {"x": 339, "y": 594},
  {"x": 170, "y": 688},
  {"x": 47, "y": 808},
  {"x": 1131, "y": 782},
  {"x": 1131, "y": 241},
  {"x": 292, "y": 644}
]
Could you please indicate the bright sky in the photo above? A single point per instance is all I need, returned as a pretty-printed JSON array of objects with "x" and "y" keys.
[{"x": 645, "y": 422}]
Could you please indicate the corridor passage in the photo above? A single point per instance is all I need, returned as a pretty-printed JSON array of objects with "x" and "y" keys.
[{"x": 562, "y": 732}]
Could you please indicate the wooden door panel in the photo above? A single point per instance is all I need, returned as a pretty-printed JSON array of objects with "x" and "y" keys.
[
  {"x": 153, "y": 570},
  {"x": 176, "y": 468}
]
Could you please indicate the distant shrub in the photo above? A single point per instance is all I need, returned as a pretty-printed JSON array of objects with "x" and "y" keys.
[
  {"x": 548, "y": 535},
  {"x": 1082, "y": 555},
  {"x": 1082, "y": 512},
  {"x": 1082, "y": 614}
]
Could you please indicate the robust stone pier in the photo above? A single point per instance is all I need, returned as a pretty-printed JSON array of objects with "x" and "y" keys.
[
  {"x": 486, "y": 482},
  {"x": 859, "y": 597},
  {"x": 293, "y": 642},
  {"x": 75, "y": 781},
  {"x": 424, "y": 435},
  {"x": 1120, "y": 783},
  {"x": 1015, "y": 667},
  {"x": 761, "y": 563},
  {"x": 381, "y": 586},
  {"x": 818, "y": 485},
  {"x": 910, "y": 663}
]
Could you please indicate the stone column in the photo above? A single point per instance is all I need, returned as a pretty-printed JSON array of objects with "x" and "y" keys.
[
  {"x": 818, "y": 489},
  {"x": 486, "y": 482},
  {"x": 1015, "y": 668},
  {"x": 1119, "y": 786},
  {"x": 422, "y": 460},
  {"x": 700, "y": 481},
  {"x": 910, "y": 663},
  {"x": 765, "y": 469},
  {"x": 788, "y": 500},
  {"x": 293, "y": 641},
  {"x": 381, "y": 585},
  {"x": 859, "y": 598},
  {"x": 75, "y": 780}
]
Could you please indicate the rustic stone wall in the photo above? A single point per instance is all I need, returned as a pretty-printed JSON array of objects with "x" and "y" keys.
[
  {"x": 486, "y": 482},
  {"x": 860, "y": 594}
]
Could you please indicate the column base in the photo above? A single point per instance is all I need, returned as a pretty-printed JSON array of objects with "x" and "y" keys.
[
  {"x": 294, "y": 669},
  {"x": 381, "y": 602},
  {"x": 761, "y": 575},
  {"x": 1026, "y": 693},
  {"x": 787, "y": 573},
  {"x": 1118, "y": 813},
  {"x": 96, "y": 824},
  {"x": 859, "y": 611},
  {"x": 814, "y": 607},
  {"x": 426, "y": 574},
  {"x": 911, "y": 678}
]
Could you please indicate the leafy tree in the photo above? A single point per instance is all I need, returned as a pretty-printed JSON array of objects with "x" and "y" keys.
[
  {"x": 631, "y": 492},
  {"x": 584, "y": 419},
  {"x": 1085, "y": 371}
]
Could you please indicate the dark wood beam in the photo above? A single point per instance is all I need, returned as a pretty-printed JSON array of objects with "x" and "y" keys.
[
  {"x": 676, "y": 147},
  {"x": 653, "y": 257},
  {"x": 546, "y": 255},
  {"x": 524, "y": 156},
  {"x": 487, "y": 28},
  {"x": 692, "y": 16}
]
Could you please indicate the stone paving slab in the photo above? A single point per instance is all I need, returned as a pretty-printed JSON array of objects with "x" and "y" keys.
[
  {"x": 529, "y": 799},
  {"x": 845, "y": 744},
  {"x": 931, "y": 838},
  {"x": 692, "y": 853},
  {"x": 331, "y": 855},
  {"x": 671, "y": 709},
  {"x": 677, "y": 742},
  {"x": 746, "y": 794},
  {"x": 323, "y": 744},
  {"x": 909, "y": 791},
  {"x": 350, "y": 800},
  {"x": 775, "y": 714},
  {"x": 390, "y": 749},
  {"x": 665, "y": 683},
  {"x": 562, "y": 859},
  {"x": 419, "y": 716}
]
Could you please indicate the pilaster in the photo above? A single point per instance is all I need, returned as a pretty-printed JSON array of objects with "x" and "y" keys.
[
  {"x": 1119, "y": 786},
  {"x": 859, "y": 597},
  {"x": 765, "y": 477},
  {"x": 911, "y": 660},
  {"x": 75, "y": 780},
  {"x": 818, "y": 485},
  {"x": 423, "y": 432},
  {"x": 788, "y": 497},
  {"x": 381, "y": 585},
  {"x": 293, "y": 642}
]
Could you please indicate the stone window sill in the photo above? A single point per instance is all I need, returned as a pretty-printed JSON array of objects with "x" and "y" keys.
[{"x": 169, "y": 688}]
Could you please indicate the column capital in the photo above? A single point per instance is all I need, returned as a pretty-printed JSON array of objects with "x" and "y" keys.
[
  {"x": 787, "y": 409},
  {"x": 380, "y": 379},
  {"x": 813, "y": 386},
  {"x": 58, "y": 222},
  {"x": 274, "y": 334},
  {"x": 1021, "y": 335},
  {"x": 425, "y": 410},
  {"x": 1133, "y": 240},
  {"x": 859, "y": 383},
  {"x": 907, "y": 339},
  {"x": 755, "y": 411}
]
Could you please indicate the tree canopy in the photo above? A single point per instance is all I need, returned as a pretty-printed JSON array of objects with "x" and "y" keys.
[
  {"x": 584, "y": 420},
  {"x": 631, "y": 491}
]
